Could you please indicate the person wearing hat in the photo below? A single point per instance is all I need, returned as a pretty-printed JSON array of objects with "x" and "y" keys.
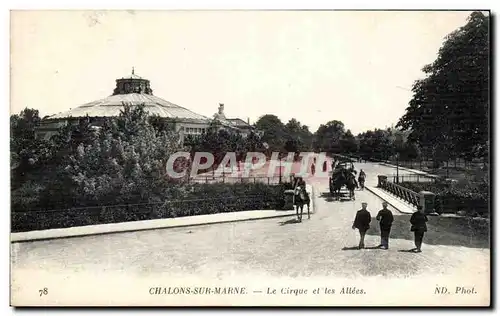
[
  {"x": 418, "y": 223},
  {"x": 362, "y": 223},
  {"x": 385, "y": 219}
]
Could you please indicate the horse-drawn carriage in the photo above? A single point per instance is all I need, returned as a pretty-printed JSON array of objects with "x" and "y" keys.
[{"x": 343, "y": 176}]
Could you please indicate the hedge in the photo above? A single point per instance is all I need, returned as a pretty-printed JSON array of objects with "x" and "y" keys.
[
  {"x": 195, "y": 199},
  {"x": 470, "y": 197}
]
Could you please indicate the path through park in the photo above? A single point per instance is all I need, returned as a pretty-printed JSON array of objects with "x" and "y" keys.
[{"x": 272, "y": 248}]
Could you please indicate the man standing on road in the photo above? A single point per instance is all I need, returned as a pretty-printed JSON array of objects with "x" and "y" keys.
[
  {"x": 419, "y": 227},
  {"x": 385, "y": 219},
  {"x": 361, "y": 179},
  {"x": 362, "y": 223}
]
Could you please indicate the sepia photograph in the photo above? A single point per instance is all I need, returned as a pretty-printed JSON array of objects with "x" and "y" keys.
[{"x": 321, "y": 158}]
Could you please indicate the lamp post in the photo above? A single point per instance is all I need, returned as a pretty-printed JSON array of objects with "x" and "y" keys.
[{"x": 397, "y": 167}]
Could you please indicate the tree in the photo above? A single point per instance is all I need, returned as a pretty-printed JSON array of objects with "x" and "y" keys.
[
  {"x": 328, "y": 137},
  {"x": 402, "y": 145},
  {"x": 122, "y": 162},
  {"x": 253, "y": 143},
  {"x": 161, "y": 124},
  {"x": 348, "y": 143},
  {"x": 126, "y": 163},
  {"x": 299, "y": 138},
  {"x": 292, "y": 145},
  {"x": 274, "y": 130},
  {"x": 448, "y": 114},
  {"x": 218, "y": 141},
  {"x": 293, "y": 126},
  {"x": 376, "y": 144},
  {"x": 27, "y": 152}
]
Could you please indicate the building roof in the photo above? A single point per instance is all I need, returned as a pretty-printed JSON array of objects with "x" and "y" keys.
[
  {"x": 239, "y": 122},
  {"x": 134, "y": 90},
  {"x": 112, "y": 105}
]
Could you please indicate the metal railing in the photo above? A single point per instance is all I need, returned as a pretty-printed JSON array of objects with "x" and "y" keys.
[
  {"x": 413, "y": 177},
  {"x": 242, "y": 179},
  {"x": 429, "y": 164},
  {"x": 401, "y": 192},
  {"x": 103, "y": 214}
]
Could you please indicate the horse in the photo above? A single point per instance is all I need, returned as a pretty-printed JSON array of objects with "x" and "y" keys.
[
  {"x": 302, "y": 198},
  {"x": 344, "y": 177},
  {"x": 338, "y": 183},
  {"x": 351, "y": 185}
]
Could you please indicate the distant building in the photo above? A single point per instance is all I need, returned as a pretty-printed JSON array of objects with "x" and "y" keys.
[
  {"x": 134, "y": 90},
  {"x": 234, "y": 124}
]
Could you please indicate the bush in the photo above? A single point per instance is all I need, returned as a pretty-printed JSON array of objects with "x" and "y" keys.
[
  {"x": 188, "y": 200},
  {"x": 118, "y": 174},
  {"x": 468, "y": 196}
]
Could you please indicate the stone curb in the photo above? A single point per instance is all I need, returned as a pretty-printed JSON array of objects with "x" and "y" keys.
[{"x": 124, "y": 227}]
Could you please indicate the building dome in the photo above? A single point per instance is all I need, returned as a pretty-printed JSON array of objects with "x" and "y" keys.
[
  {"x": 131, "y": 90},
  {"x": 132, "y": 84},
  {"x": 135, "y": 90}
]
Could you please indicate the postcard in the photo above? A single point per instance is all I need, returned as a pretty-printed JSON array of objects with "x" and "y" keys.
[{"x": 250, "y": 158}]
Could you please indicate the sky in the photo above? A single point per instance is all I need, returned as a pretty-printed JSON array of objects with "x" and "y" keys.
[{"x": 316, "y": 66}]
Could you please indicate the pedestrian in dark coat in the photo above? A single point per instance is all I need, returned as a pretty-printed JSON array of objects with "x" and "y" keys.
[
  {"x": 362, "y": 223},
  {"x": 385, "y": 219},
  {"x": 418, "y": 223}
]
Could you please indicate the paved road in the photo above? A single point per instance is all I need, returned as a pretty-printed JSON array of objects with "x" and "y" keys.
[{"x": 274, "y": 247}]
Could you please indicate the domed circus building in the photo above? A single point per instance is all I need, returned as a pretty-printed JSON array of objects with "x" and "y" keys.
[{"x": 135, "y": 90}]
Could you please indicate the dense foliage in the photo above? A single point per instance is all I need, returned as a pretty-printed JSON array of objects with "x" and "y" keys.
[
  {"x": 448, "y": 115},
  {"x": 469, "y": 196},
  {"x": 279, "y": 137},
  {"x": 219, "y": 141},
  {"x": 124, "y": 162},
  {"x": 115, "y": 173},
  {"x": 188, "y": 200}
]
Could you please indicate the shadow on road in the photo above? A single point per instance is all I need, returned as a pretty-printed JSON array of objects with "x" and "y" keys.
[
  {"x": 374, "y": 247},
  {"x": 450, "y": 231},
  {"x": 351, "y": 248},
  {"x": 290, "y": 221},
  {"x": 408, "y": 250},
  {"x": 327, "y": 196},
  {"x": 357, "y": 248}
]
